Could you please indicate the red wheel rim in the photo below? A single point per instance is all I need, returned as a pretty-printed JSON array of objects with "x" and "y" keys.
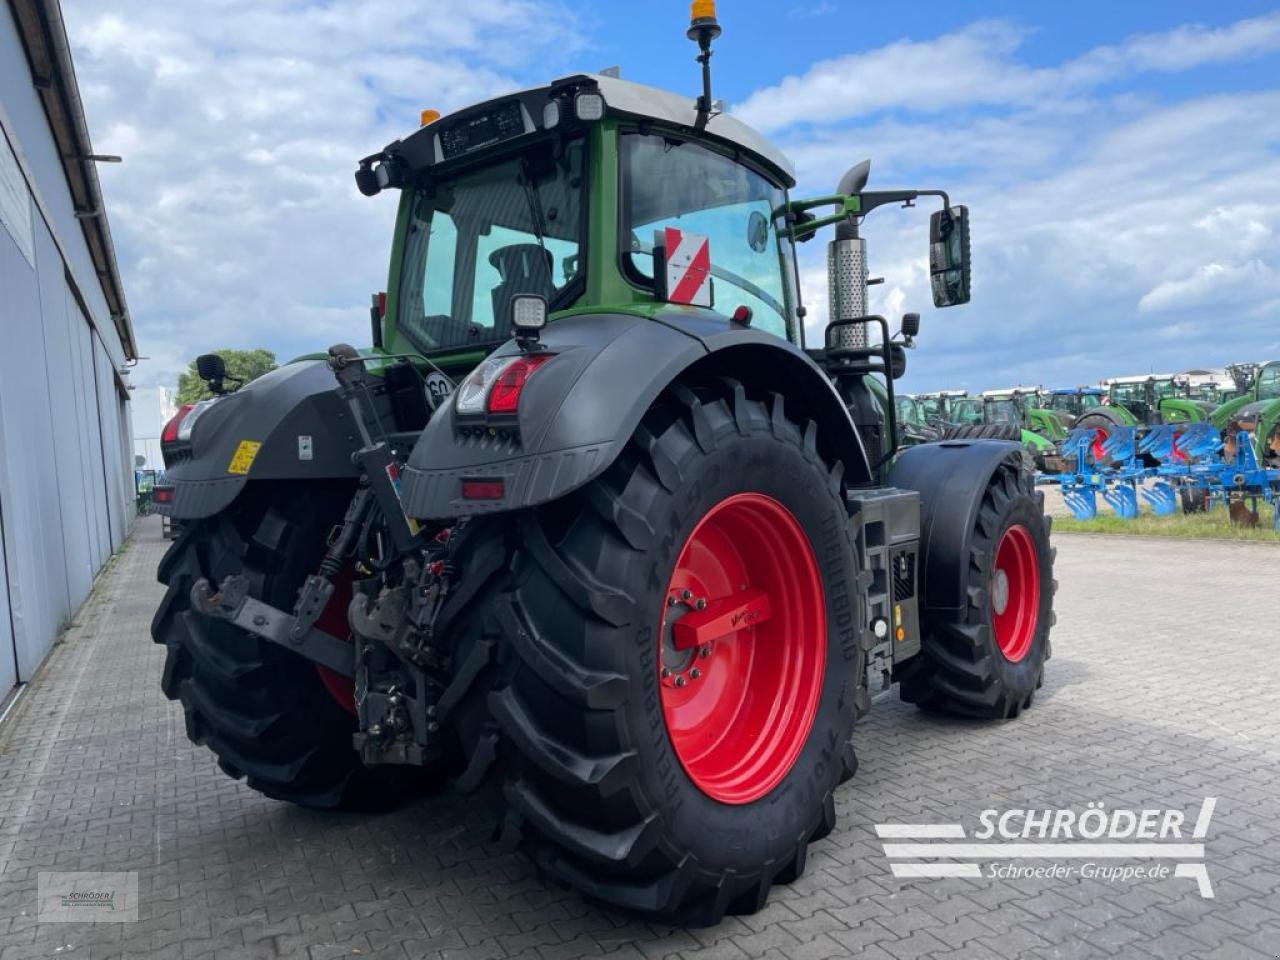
[
  {"x": 333, "y": 620},
  {"x": 1015, "y": 593},
  {"x": 742, "y": 648},
  {"x": 1099, "y": 438}
]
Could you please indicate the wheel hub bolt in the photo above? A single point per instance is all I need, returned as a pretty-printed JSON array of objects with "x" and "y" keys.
[
  {"x": 701, "y": 604},
  {"x": 686, "y": 594},
  {"x": 695, "y": 673},
  {"x": 704, "y": 650},
  {"x": 680, "y": 681},
  {"x": 666, "y": 672}
]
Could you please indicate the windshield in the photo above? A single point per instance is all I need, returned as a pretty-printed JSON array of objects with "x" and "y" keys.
[
  {"x": 909, "y": 411},
  {"x": 1089, "y": 400},
  {"x": 1129, "y": 392},
  {"x": 1269, "y": 383},
  {"x": 932, "y": 407},
  {"x": 1003, "y": 411},
  {"x": 967, "y": 411},
  {"x": 478, "y": 239},
  {"x": 667, "y": 183}
]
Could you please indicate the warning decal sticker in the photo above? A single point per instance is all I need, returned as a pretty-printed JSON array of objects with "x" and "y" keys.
[{"x": 242, "y": 459}]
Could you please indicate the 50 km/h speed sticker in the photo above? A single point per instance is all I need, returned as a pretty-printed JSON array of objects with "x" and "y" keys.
[{"x": 242, "y": 459}]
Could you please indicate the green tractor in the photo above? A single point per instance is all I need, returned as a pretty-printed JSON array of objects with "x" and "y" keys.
[
  {"x": 1011, "y": 414},
  {"x": 937, "y": 408},
  {"x": 1145, "y": 401},
  {"x": 1070, "y": 403},
  {"x": 1256, "y": 412},
  {"x": 914, "y": 425},
  {"x": 588, "y": 520}
]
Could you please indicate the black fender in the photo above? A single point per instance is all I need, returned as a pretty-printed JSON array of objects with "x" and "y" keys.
[
  {"x": 580, "y": 409},
  {"x": 302, "y": 428},
  {"x": 951, "y": 478}
]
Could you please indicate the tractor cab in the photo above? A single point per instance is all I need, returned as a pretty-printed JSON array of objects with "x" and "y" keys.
[
  {"x": 588, "y": 192},
  {"x": 1071, "y": 402},
  {"x": 593, "y": 198}
]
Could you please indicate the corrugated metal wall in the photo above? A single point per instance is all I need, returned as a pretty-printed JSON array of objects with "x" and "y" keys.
[{"x": 66, "y": 466}]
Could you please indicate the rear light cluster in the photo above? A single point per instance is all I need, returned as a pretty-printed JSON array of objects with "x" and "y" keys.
[
  {"x": 178, "y": 429},
  {"x": 495, "y": 386}
]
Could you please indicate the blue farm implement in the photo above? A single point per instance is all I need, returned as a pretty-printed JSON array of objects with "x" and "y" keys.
[{"x": 1190, "y": 467}]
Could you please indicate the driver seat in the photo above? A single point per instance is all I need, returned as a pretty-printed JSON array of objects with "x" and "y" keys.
[{"x": 524, "y": 268}]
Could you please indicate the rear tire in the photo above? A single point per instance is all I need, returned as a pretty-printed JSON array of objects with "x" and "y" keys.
[
  {"x": 984, "y": 431},
  {"x": 595, "y": 776},
  {"x": 988, "y": 659},
  {"x": 265, "y": 712}
]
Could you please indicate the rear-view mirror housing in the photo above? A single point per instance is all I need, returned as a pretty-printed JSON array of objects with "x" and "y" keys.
[{"x": 949, "y": 256}]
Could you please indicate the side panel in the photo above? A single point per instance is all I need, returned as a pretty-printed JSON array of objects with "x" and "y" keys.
[
  {"x": 951, "y": 478},
  {"x": 580, "y": 409}
]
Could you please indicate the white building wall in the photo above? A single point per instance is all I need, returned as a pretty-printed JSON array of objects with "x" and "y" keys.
[{"x": 66, "y": 477}]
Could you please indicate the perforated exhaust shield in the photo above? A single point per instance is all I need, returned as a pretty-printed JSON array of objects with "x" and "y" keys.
[{"x": 847, "y": 291}]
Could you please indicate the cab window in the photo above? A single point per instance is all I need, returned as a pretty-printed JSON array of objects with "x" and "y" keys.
[
  {"x": 670, "y": 183},
  {"x": 1269, "y": 383}
]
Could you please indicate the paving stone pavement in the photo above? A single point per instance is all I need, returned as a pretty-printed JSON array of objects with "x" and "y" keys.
[{"x": 1162, "y": 691}]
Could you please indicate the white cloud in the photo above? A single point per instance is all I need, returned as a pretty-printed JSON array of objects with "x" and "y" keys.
[
  {"x": 235, "y": 215},
  {"x": 1212, "y": 284},
  {"x": 978, "y": 65},
  {"x": 1110, "y": 231}
]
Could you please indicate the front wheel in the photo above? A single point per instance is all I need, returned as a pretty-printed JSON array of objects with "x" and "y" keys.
[
  {"x": 987, "y": 659},
  {"x": 685, "y": 656}
]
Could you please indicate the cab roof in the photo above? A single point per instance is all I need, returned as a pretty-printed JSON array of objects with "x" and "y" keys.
[
  {"x": 623, "y": 98},
  {"x": 639, "y": 100}
]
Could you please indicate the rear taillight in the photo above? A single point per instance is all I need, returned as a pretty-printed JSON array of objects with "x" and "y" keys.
[
  {"x": 170, "y": 432},
  {"x": 494, "y": 386},
  {"x": 504, "y": 395}
]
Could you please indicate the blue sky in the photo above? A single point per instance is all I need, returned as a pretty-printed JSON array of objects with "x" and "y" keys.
[{"x": 1121, "y": 160}]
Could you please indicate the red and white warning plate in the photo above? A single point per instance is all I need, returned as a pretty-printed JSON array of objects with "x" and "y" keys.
[{"x": 688, "y": 257}]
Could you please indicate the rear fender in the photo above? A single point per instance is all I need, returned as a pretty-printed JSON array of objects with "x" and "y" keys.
[
  {"x": 290, "y": 424},
  {"x": 951, "y": 478},
  {"x": 580, "y": 409}
]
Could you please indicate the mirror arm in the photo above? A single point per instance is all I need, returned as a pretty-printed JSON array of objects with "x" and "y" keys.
[{"x": 855, "y": 206}]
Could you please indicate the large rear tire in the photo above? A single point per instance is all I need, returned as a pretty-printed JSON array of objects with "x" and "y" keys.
[
  {"x": 267, "y": 714},
  {"x": 657, "y": 767},
  {"x": 987, "y": 660}
]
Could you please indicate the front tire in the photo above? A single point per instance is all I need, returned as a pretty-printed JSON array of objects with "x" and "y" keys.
[
  {"x": 617, "y": 785},
  {"x": 987, "y": 659}
]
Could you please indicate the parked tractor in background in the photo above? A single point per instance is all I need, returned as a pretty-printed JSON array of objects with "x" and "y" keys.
[
  {"x": 913, "y": 425},
  {"x": 588, "y": 520},
  {"x": 1256, "y": 413},
  {"x": 1147, "y": 401},
  {"x": 938, "y": 407},
  {"x": 1070, "y": 403},
  {"x": 1011, "y": 414}
]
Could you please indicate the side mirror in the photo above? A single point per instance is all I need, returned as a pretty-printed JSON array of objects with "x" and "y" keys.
[
  {"x": 949, "y": 256},
  {"x": 911, "y": 325},
  {"x": 898, "y": 361}
]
